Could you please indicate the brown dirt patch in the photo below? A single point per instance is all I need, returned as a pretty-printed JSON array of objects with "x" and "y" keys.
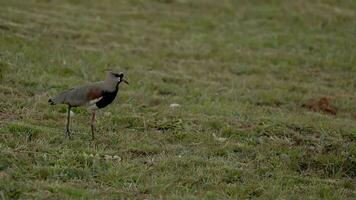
[
  {"x": 321, "y": 104},
  {"x": 353, "y": 115}
]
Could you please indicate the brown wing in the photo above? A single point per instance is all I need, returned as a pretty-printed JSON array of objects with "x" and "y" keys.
[{"x": 94, "y": 93}]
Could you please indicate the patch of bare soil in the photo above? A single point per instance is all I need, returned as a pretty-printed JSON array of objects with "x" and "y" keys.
[{"x": 321, "y": 104}]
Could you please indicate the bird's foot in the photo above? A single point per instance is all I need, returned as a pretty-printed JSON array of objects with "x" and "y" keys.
[{"x": 68, "y": 134}]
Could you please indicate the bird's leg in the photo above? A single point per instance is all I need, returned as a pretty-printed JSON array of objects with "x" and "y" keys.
[
  {"x": 92, "y": 125},
  {"x": 68, "y": 120}
]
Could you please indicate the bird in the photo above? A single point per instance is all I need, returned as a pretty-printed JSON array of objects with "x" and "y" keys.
[{"x": 94, "y": 96}]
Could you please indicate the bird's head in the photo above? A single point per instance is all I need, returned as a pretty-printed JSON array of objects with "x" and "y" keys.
[{"x": 116, "y": 77}]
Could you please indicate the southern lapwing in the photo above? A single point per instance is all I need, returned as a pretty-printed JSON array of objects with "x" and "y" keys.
[{"x": 94, "y": 96}]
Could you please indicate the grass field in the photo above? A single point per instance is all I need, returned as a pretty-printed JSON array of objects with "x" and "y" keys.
[{"x": 241, "y": 71}]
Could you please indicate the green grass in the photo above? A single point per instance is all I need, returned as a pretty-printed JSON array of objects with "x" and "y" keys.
[{"x": 241, "y": 71}]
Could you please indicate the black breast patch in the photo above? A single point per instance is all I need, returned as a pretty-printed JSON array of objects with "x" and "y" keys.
[{"x": 108, "y": 97}]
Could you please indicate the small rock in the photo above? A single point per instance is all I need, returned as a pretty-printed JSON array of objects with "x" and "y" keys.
[
  {"x": 71, "y": 113},
  {"x": 220, "y": 139},
  {"x": 285, "y": 157},
  {"x": 118, "y": 158},
  {"x": 312, "y": 148},
  {"x": 259, "y": 140},
  {"x": 107, "y": 157},
  {"x": 174, "y": 105}
]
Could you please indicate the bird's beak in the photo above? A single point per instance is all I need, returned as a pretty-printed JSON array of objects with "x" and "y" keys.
[{"x": 125, "y": 81}]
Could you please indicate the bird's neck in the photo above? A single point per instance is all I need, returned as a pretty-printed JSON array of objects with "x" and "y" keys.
[{"x": 110, "y": 86}]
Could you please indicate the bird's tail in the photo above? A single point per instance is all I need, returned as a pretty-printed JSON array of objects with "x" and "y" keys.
[
  {"x": 50, "y": 101},
  {"x": 59, "y": 99}
]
